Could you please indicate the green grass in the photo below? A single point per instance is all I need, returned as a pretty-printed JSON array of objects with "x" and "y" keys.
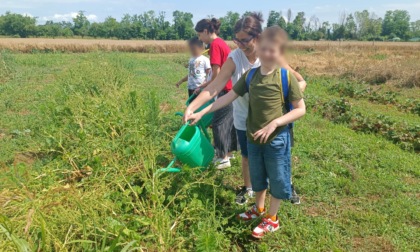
[{"x": 81, "y": 136}]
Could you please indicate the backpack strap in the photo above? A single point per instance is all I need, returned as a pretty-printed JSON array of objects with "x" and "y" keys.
[
  {"x": 249, "y": 77},
  {"x": 285, "y": 83},
  {"x": 285, "y": 86}
]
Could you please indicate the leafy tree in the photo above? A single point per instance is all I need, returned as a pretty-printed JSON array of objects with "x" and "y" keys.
[
  {"x": 298, "y": 26},
  {"x": 340, "y": 28},
  {"x": 228, "y": 23},
  {"x": 183, "y": 24},
  {"x": 369, "y": 26},
  {"x": 350, "y": 27},
  {"x": 361, "y": 25},
  {"x": 81, "y": 24},
  {"x": 111, "y": 27},
  {"x": 396, "y": 22},
  {"x": 282, "y": 23},
  {"x": 415, "y": 29},
  {"x": 17, "y": 25},
  {"x": 273, "y": 18},
  {"x": 52, "y": 29}
]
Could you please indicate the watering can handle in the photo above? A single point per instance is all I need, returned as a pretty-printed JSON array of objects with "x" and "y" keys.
[{"x": 190, "y": 98}]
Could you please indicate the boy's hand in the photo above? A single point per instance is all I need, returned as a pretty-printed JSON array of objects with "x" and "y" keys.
[
  {"x": 177, "y": 84},
  {"x": 197, "y": 91},
  {"x": 265, "y": 132},
  {"x": 195, "y": 118}
]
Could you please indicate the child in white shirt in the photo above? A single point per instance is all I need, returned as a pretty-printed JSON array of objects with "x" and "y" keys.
[{"x": 198, "y": 66}]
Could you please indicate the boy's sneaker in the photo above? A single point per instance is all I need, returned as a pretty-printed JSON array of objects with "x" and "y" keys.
[
  {"x": 222, "y": 163},
  {"x": 251, "y": 214},
  {"x": 295, "y": 197},
  {"x": 243, "y": 195},
  {"x": 267, "y": 225}
]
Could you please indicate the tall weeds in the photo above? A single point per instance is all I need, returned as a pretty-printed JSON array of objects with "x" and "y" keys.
[{"x": 102, "y": 142}]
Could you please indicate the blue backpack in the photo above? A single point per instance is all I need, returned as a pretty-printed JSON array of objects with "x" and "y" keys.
[{"x": 285, "y": 82}]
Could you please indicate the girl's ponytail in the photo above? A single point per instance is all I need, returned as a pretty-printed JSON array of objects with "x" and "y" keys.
[{"x": 211, "y": 25}]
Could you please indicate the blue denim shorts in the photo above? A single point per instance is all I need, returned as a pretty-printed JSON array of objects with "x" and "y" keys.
[
  {"x": 243, "y": 142},
  {"x": 270, "y": 164}
]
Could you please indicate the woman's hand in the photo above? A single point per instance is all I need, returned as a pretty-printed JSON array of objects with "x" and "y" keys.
[
  {"x": 187, "y": 115},
  {"x": 195, "y": 118},
  {"x": 265, "y": 132},
  {"x": 302, "y": 85}
]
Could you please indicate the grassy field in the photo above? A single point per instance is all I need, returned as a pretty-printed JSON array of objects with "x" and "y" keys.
[{"x": 81, "y": 136}]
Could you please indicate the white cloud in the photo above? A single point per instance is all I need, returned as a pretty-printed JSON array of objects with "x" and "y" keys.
[
  {"x": 28, "y": 15},
  {"x": 69, "y": 17}
]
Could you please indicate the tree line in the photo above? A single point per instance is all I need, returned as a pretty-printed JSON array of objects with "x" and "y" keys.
[{"x": 360, "y": 25}]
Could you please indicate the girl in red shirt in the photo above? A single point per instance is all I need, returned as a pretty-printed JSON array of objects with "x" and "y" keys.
[{"x": 224, "y": 134}]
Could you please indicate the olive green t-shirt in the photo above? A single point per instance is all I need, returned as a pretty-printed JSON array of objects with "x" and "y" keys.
[{"x": 266, "y": 100}]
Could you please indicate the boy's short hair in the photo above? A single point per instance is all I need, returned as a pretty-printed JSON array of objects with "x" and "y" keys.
[
  {"x": 276, "y": 34},
  {"x": 195, "y": 42}
]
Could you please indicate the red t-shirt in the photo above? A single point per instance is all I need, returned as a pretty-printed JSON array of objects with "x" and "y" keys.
[{"x": 218, "y": 53}]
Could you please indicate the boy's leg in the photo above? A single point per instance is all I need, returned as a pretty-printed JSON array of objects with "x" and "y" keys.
[
  {"x": 270, "y": 222},
  {"x": 260, "y": 200},
  {"x": 277, "y": 163},
  {"x": 258, "y": 179},
  {"x": 274, "y": 206}
]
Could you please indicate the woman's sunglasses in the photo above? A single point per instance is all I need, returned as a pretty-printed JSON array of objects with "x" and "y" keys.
[{"x": 243, "y": 42}]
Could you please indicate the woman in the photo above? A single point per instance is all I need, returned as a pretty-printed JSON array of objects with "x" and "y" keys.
[
  {"x": 239, "y": 61},
  {"x": 224, "y": 135}
]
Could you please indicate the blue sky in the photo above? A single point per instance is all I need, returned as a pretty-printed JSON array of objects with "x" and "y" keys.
[{"x": 98, "y": 10}]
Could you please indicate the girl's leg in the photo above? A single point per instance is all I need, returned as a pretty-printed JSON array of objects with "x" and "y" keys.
[
  {"x": 233, "y": 139},
  {"x": 245, "y": 172},
  {"x": 222, "y": 130}
]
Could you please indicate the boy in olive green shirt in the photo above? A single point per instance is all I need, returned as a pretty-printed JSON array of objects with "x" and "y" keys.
[
  {"x": 266, "y": 102},
  {"x": 269, "y": 147}
]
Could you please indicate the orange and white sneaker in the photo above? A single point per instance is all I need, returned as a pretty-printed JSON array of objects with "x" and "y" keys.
[
  {"x": 267, "y": 225},
  {"x": 251, "y": 214}
]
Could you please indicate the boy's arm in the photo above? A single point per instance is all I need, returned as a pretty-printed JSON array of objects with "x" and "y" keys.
[
  {"x": 218, "y": 104},
  {"x": 181, "y": 81},
  {"x": 299, "y": 110}
]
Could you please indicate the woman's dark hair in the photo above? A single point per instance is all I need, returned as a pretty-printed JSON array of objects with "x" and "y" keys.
[
  {"x": 212, "y": 25},
  {"x": 195, "y": 42},
  {"x": 251, "y": 24}
]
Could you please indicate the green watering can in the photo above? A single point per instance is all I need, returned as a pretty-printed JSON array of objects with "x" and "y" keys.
[{"x": 191, "y": 147}]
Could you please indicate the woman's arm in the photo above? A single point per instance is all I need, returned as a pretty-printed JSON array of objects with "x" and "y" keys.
[
  {"x": 215, "y": 69},
  {"x": 218, "y": 104},
  {"x": 299, "y": 77},
  {"x": 299, "y": 110},
  {"x": 212, "y": 89}
]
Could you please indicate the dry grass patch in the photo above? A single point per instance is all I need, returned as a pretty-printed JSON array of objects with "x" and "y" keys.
[{"x": 377, "y": 64}]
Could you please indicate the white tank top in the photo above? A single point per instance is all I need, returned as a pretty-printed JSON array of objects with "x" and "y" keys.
[{"x": 240, "y": 105}]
